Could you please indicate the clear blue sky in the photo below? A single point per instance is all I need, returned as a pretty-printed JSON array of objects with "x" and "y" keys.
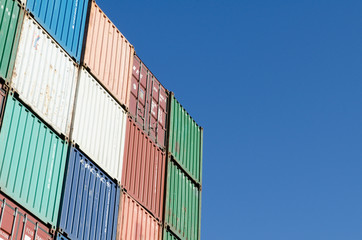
[{"x": 277, "y": 86}]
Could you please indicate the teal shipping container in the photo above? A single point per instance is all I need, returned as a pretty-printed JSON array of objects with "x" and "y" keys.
[
  {"x": 185, "y": 140},
  {"x": 183, "y": 203},
  {"x": 11, "y": 18},
  {"x": 32, "y": 162}
]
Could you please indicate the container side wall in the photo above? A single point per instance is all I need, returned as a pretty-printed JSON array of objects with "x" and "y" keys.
[
  {"x": 11, "y": 18},
  {"x": 64, "y": 20},
  {"x": 185, "y": 140},
  {"x": 3, "y": 95},
  {"x": 45, "y": 77},
  {"x": 15, "y": 222},
  {"x": 182, "y": 203},
  {"x": 108, "y": 55},
  {"x": 144, "y": 170},
  {"x": 99, "y": 126},
  {"x": 90, "y": 201},
  {"x": 148, "y": 102},
  {"x": 135, "y": 222},
  {"x": 32, "y": 161},
  {"x": 167, "y": 235}
]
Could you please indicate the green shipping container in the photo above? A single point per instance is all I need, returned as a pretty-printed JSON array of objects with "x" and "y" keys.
[
  {"x": 11, "y": 19},
  {"x": 183, "y": 204},
  {"x": 185, "y": 140},
  {"x": 167, "y": 235},
  {"x": 32, "y": 162}
]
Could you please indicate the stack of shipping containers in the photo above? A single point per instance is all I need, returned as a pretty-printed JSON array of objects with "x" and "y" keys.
[{"x": 92, "y": 145}]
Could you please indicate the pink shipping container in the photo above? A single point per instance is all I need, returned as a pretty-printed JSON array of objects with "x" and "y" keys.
[
  {"x": 16, "y": 223},
  {"x": 134, "y": 222},
  {"x": 144, "y": 168},
  {"x": 148, "y": 102},
  {"x": 108, "y": 55}
]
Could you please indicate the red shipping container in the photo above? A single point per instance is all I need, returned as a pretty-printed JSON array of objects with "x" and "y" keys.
[
  {"x": 144, "y": 168},
  {"x": 148, "y": 102},
  {"x": 134, "y": 222},
  {"x": 3, "y": 94},
  {"x": 18, "y": 224}
]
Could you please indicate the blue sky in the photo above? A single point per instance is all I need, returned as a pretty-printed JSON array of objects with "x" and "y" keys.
[{"x": 277, "y": 86}]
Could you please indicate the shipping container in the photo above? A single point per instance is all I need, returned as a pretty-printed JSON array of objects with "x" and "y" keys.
[
  {"x": 11, "y": 18},
  {"x": 61, "y": 236},
  {"x": 168, "y": 235},
  {"x": 185, "y": 140},
  {"x": 19, "y": 224},
  {"x": 3, "y": 95},
  {"x": 134, "y": 222},
  {"x": 89, "y": 208},
  {"x": 45, "y": 77},
  {"x": 64, "y": 20},
  {"x": 148, "y": 102},
  {"x": 144, "y": 168},
  {"x": 183, "y": 203},
  {"x": 99, "y": 125},
  {"x": 32, "y": 160},
  {"x": 108, "y": 55}
]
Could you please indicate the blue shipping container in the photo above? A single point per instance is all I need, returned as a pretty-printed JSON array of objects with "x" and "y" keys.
[
  {"x": 90, "y": 203},
  {"x": 64, "y": 20}
]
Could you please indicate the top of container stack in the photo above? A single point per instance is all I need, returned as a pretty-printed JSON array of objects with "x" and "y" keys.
[
  {"x": 108, "y": 55},
  {"x": 64, "y": 20},
  {"x": 185, "y": 140}
]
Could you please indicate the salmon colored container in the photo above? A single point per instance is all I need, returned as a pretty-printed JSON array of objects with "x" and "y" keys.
[
  {"x": 134, "y": 222},
  {"x": 108, "y": 55},
  {"x": 17, "y": 223},
  {"x": 144, "y": 168},
  {"x": 3, "y": 94},
  {"x": 148, "y": 102}
]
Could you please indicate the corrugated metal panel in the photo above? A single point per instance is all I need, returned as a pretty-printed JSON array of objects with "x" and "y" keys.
[
  {"x": 144, "y": 170},
  {"x": 64, "y": 20},
  {"x": 60, "y": 236},
  {"x": 148, "y": 102},
  {"x": 183, "y": 204},
  {"x": 185, "y": 140},
  {"x": 3, "y": 94},
  {"x": 99, "y": 125},
  {"x": 167, "y": 235},
  {"x": 108, "y": 55},
  {"x": 32, "y": 160},
  {"x": 17, "y": 223},
  {"x": 90, "y": 201},
  {"x": 11, "y": 18},
  {"x": 45, "y": 77},
  {"x": 134, "y": 222}
]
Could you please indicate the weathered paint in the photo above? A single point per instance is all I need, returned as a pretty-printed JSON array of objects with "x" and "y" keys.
[
  {"x": 185, "y": 140},
  {"x": 19, "y": 224},
  {"x": 108, "y": 55},
  {"x": 183, "y": 203},
  {"x": 32, "y": 160},
  {"x": 3, "y": 95},
  {"x": 89, "y": 208},
  {"x": 148, "y": 102},
  {"x": 99, "y": 125},
  {"x": 135, "y": 222},
  {"x": 45, "y": 77},
  {"x": 64, "y": 20},
  {"x": 11, "y": 18},
  {"x": 144, "y": 168}
]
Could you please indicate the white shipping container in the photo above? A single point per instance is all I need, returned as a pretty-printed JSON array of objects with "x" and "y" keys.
[
  {"x": 99, "y": 126},
  {"x": 45, "y": 76}
]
